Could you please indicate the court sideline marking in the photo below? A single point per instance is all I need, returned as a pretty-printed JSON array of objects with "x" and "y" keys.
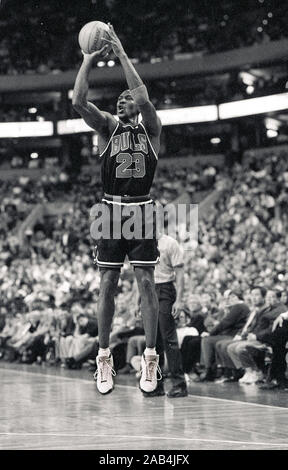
[{"x": 90, "y": 382}]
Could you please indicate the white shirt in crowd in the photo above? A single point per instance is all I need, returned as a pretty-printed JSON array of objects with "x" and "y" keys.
[{"x": 171, "y": 256}]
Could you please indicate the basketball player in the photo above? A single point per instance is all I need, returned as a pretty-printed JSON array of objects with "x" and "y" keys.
[{"x": 128, "y": 151}]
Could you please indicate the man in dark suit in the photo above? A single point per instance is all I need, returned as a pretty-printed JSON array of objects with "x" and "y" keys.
[
  {"x": 278, "y": 340},
  {"x": 249, "y": 353},
  {"x": 232, "y": 374},
  {"x": 226, "y": 329}
]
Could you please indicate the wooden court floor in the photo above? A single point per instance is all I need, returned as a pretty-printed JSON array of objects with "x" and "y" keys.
[{"x": 41, "y": 408}]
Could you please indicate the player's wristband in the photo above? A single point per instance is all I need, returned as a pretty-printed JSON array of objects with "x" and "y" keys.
[{"x": 140, "y": 95}]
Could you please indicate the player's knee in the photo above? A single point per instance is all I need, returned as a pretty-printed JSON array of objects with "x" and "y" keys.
[
  {"x": 144, "y": 276},
  {"x": 146, "y": 284}
]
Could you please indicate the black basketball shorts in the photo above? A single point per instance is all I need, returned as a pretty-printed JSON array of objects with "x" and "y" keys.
[{"x": 130, "y": 230}]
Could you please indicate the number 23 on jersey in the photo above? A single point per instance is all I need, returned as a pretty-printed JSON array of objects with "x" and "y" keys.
[{"x": 131, "y": 166}]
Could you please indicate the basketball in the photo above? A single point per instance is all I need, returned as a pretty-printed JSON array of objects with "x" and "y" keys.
[{"x": 90, "y": 36}]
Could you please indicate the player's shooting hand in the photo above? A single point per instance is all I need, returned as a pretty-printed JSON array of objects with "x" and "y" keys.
[
  {"x": 114, "y": 41},
  {"x": 278, "y": 322},
  {"x": 102, "y": 53}
]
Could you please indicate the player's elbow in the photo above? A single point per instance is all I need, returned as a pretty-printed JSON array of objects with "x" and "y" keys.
[{"x": 77, "y": 105}]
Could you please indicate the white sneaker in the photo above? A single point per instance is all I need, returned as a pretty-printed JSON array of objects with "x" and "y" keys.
[
  {"x": 104, "y": 374},
  {"x": 149, "y": 369},
  {"x": 246, "y": 379},
  {"x": 259, "y": 376},
  {"x": 253, "y": 377}
]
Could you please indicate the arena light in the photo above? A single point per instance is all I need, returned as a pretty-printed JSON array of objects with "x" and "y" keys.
[
  {"x": 72, "y": 126},
  {"x": 271, "y": 123},
  {"x": 32, "y": 110},
  {"x": 247, "y": 78},
  {"x": 168, "y": 117},
  {"x": 215, "y": 140},
  {"x": 192, "y": 115},
  {"x": 34, "y": 155},
  {"x": 250, "y": 89},
  {"x": 26, "y": 129},
  {"x": 95, "y": 140},
  {"x": 249, "y": 107},
  {"x": 111, "y": 63},
  {"x": 271, "y": 133}
]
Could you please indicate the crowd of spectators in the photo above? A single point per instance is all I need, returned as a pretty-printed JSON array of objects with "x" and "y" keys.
[
  {"x": 42, "y": 36},
  {"x": 49, "y": 285}
]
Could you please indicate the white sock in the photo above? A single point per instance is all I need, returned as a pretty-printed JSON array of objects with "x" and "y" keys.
[
  {"x": 150, "y": 352},
  {"x": 104, "y": 352}
]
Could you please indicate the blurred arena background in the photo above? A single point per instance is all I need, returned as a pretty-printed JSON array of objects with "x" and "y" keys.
[{"x": 217, "y": 74}]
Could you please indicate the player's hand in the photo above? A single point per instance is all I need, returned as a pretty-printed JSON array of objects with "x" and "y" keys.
[
  {"x": 278, "y": 323},
  {"x": 177, "y": 307},
  {"x": 102, "y": 53},
  {"x": 114, "y": 41}
]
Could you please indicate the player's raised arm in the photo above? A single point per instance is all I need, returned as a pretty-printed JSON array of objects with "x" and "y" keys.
[
  {"x": 137, "y": 88},
  {"x": 93, "y": 116}
]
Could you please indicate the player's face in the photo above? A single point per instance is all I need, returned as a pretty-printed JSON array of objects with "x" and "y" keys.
[{"x": 126, "y": 107}]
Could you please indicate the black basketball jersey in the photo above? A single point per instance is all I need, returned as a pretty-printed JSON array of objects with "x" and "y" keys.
[{"x": 128, "y": 162}]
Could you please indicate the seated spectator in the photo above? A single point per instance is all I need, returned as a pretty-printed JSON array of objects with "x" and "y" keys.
[
  {"x": 21, "y": 334},
  {"x": 277, "y": 339},
  {"x": 2, "y": 320},
  {"x": 231, "y": 374},
  {"x": 203, "y": 316},
  {"x": 232, "y": 322},
  {"x": 249, "y": 353},
  {"x": 63, "y": 337},
  {"x": 135, "y": 347},
  {"x": 36, "y": 348},
  {"x": 127, "y": 323},
  {"x": 84, "y": 341},
  {"x": 8, "y": 331},
  {"x": 284, "y": 298}
]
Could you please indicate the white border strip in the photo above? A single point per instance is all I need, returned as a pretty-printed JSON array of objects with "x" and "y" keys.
[
  {"x": 147, "y": 136},
  {"x": 127, "y": 203},
  {"x": 110, "y": 139},
  {"x": 145, "y": 262},
  {"x": 107, "y": 263}
]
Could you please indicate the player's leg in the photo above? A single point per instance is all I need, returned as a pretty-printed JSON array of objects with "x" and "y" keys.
[
  {"x": 105, "y": 313},
  {"x": 149, "y": 311},
  {"x": 106, "y": 304},
  {"x": 149, "y": 303}
]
